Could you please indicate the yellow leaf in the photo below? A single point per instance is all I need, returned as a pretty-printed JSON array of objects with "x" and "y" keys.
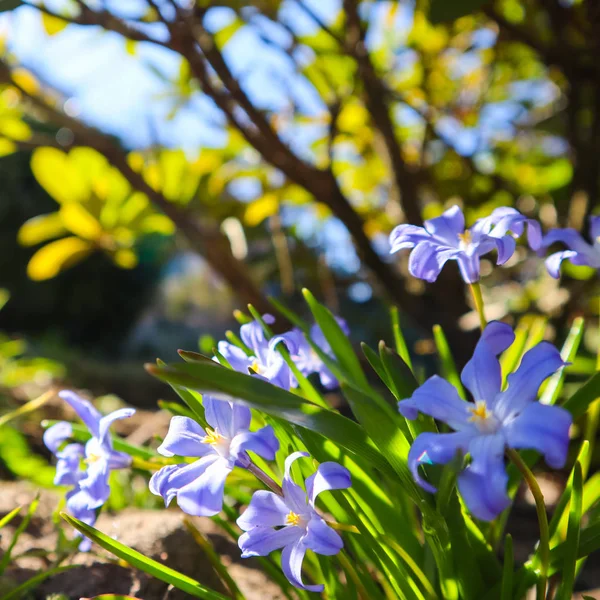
[
  {"x": 6, "y": 147},
  {"x": 56, "y": 256},
  {"x": 40, "y": 229},
  {"x": 130, "y": 47},
  {"x": 62, "y": 180},
  {"x": 260, "y": 209},
  {"x": 26, "y": 80},
  {"x": 126, "y": 259},
  {"x": 79, "y": 221},
  {"x": 15, "y": 129},
  {"x": 158, "y": 224},
  {"x": 53, "y": 25}
]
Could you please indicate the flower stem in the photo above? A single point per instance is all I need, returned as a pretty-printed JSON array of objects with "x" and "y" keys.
[
  {"x": 544, "y": 548},
  {"x": 260, "y": 474},
  {"x": 478, "y": 299}
]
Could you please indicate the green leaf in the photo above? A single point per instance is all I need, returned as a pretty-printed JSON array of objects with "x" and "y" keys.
[
  {"x": 145, "y": 564},
  {"x": 214, "y": 379},
  {"x": 572, "y": 542},
  {"x": 449, "y": 370},
  {"x": 20, "y": 529},
  {"x": 338, "y": 340},
  {"x": 579, "y": 402},
  {"x": 507, "y": 571},
  {"x": 6, "y": 519},
  {"x": 554, "y": 385},
  {"x": 403, "y": 382},
  {"x": 377, "y": 364},
  {"x": 401, "y": 347},
  {"x": 441, "y": 11},
  {"x": 386, "y": 433}
]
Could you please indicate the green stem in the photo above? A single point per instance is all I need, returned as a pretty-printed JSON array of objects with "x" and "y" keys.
[
  {"x": 270, "y": 483},
  {"x": 478, "y": 299},
  {"x": 544, "y": 547}
]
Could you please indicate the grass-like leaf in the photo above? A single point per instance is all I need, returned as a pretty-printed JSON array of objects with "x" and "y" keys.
[
  {"x": 338, "y": 340},
  {"x": 143, "y": 563},
  {"x": 572, "y": 542},
  {"x": 230, "y": 385}
]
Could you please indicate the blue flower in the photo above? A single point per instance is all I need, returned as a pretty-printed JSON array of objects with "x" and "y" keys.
[
  {"x": 199, "y": 486},
  {"x": 497, "y": 419},
  {"x": 265, "y": 361},
  {"x": 291, "y": 522},
  {"x": 579, "y": 253},
  {"x": 445, "y": 238},
  {"x": 86, "y": 468},
  {"x": 305, "y": 357}
]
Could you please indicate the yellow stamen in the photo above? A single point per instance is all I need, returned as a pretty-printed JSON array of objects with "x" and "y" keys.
[
  {"x": 465, "y": 237},
  {"x": 292, "y": 519},
  {"x": 212, "y": 437},
  {"x": 480, "y": 412},
  {"x": 92, "y": 458},
  {"x": 255, "y": 367}
]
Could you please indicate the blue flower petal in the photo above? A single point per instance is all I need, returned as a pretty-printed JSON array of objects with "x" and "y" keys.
[
  {"x": 294, "y": 495},
  {"x": 108, "y": 420},
  {"x": 291, "y": 564},
  {"x": 261, "y": 541},
  {"x": 95, "y": 482},
  {"x": 407, "y": 236},
  {"x": 482, "y": 375},
  {"x": 235, "y": 356},
  {"x": 570, "y": 237},
  {"x": 595, "y": 228},
  {"x": 428, "y": 258},
  {"x": 68, "y": 466},
  {"x": 329, "y": 476},
  {"x": 542, "y": 428},
  {"x": 84, "y": 409},
  {"x": 436, "y": 448},
  {"x": 321, "y": 538},
  {"x": 483, "y": 483},
  {"x": 184, "y": 438},
  {"x": 469, "y": 266},
  {"x": 440, "y": 400},
  {"x": 226, "y": 417},
  {"x": 262, "y": 442},
  {"x": 498, "y": 336},
  {"x": 554, "y": 261},
  {"x": 266, "y": 509},
  {"x": 537, "y": 365},
  {"x": 54, "y": 436},
  {"x": 203, "y": 497},
  {"x": 447, "y": 226}
]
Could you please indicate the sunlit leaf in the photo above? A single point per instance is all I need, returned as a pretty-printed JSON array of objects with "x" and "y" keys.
[
  {"x": 40, "y": 229},
  {"x": 56, "y": 175},
  {"x": 56, "y": 256},
  {"x": 79, "y": 221},
  {"x": 258, "y": 210},
  {"x": 53, "y": 25}
]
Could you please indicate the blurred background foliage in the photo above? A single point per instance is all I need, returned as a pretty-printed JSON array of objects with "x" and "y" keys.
[{"x": 164, "y": 162}]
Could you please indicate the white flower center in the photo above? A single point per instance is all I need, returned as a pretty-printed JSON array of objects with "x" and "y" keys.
[
  {"x": 219, "y": 442},
  {"x": 483, "y": 418},
  {"x": 295, "y": 520},
  {"x": 465, "y": 240}
]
